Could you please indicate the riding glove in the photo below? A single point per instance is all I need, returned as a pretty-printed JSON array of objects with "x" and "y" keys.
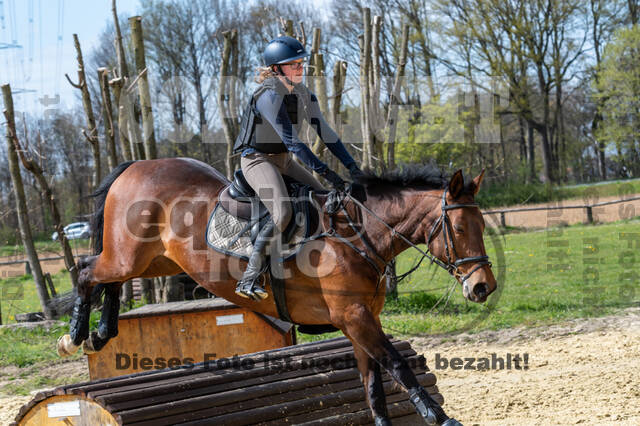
[
  {"x": 334, "y": 178},
  {"x": 355, "y": 172}
]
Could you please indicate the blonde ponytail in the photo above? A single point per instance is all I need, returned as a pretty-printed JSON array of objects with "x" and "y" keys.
[{"x": 263, "y": 74}]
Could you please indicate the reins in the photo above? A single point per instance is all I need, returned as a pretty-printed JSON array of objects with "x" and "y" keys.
[{"x": 443, "y": 222}]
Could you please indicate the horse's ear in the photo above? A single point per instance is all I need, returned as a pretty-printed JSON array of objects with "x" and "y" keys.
[
  {"x": 476, "y": 182},
  {"x": 456, "y": 184}
]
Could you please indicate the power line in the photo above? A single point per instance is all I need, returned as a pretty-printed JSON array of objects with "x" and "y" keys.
[
  {"x": 27, "y": 75},
  {"x": 59, "y": 46}
]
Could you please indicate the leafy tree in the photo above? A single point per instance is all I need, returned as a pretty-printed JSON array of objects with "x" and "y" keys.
[{"x": 619, "y": 89}]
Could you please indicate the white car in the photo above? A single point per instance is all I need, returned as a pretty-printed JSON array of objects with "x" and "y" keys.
[{"x": 75, "y": 230}]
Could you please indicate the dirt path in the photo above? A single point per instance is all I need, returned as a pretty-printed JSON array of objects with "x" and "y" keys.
[
  {"x": 549, "y": 218},
  {"x": 581, "y": 372}
]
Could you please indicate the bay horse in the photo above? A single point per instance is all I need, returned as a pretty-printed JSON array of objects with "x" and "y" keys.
[{"x": 151, "y": 218}]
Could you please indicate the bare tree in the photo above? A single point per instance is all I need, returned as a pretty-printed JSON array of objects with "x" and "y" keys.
[
  {"x": 91, "y": 133},
  {"x": 21, "y": 205},
  {"x": 36, "y": 170}
]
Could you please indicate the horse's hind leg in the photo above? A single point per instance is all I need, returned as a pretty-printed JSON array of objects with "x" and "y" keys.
[
  {"x": 108, "y": 326},
  {"x": 79, "y": 323},
  {"x": 360, "y": 324}
]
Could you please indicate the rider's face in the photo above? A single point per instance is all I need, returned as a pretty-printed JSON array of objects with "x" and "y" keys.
[{"x": 293, "y": 70}]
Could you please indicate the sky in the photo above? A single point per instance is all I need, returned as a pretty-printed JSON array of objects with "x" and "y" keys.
[{"x": 39, "y": 65}]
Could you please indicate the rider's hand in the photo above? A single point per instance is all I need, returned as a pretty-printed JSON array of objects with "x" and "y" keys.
[
  {"x": 355, "y": 172},
  {"x": 334, "y": 178}
]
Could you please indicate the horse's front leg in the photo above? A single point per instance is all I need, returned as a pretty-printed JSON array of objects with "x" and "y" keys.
[
  {"x": 372, "y": 381},
  {"x": 358, "y": 322}
]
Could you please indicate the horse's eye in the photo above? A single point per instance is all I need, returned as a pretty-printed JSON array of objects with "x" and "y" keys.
[{"x": 458, "y": 229}]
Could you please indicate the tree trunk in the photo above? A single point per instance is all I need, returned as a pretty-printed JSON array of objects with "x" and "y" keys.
[
  {"x": 532, "y": 154},
  {"x": 375, "y": 117},
  {"x": 21, "y": 205},
  {"x": 47, "y": 192},
  {"x": 365, "y": 61},
  {"x": 123, "y": 139},
  {"x": 288, "y": 28},
  {"x": 224, "y": 98},
  {"x": 392, "y": 117},
  {"x": 107, "y": 114},
  {"x": 92, "y": 135},
  {"x": 150, "y": 151},
  {"x": 126, "y": 296},
  {"x": 339, "y": 77},
  {"x": 123, "y": 70},
  {"x": 321, "y": 93}
]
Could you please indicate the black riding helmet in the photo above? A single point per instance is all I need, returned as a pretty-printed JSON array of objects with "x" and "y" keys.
[{"x": 283, "y": 49}]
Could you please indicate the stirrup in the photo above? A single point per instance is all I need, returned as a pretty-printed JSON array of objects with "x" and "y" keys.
[{"x": 250, "y": 289}]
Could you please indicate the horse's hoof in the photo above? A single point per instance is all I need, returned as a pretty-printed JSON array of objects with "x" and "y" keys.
[
  {"x": 87, "y": 347},
  {"x": 382, "y": 421},
  {"x": 65, "y": 346},
  {"x": 452, "y": 422}
]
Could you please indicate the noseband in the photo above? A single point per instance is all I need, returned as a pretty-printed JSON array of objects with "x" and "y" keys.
[{"x": 443, "y": 223}]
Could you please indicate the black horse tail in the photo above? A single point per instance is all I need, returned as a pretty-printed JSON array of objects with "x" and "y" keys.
[{"x": 100, "y": 195}]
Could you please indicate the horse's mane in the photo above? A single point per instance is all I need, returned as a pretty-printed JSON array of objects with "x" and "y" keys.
[
  {"x": 406, "y": 174},
  {"x": 423, "y": 176}
]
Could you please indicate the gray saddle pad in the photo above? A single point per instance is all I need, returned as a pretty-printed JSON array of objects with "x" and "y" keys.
[{"x": 231, "y": 235}]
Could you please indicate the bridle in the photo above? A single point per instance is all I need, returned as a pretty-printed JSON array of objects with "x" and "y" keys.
[
  {"x": 445, "y": 226},
  {"x": 443, "y": 223}
]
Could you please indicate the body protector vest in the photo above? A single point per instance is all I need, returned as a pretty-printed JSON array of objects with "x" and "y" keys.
[{"x": 257, "y": 133}]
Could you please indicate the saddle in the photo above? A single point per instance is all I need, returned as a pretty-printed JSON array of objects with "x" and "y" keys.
[{"x": 240, "y": 200}]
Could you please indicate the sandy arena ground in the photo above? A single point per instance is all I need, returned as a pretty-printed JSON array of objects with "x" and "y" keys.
[{"x": 580, "y": 372}]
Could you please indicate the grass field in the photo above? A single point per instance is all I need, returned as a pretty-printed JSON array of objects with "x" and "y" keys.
[{"x": 545, "y": 277}]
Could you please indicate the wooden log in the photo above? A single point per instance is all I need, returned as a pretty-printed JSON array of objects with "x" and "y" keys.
[
  {"x": 262, "y": 381},
  {"x": 214, "y": 375},
  {"x": 327, "y": 393},
  {"x": 153, "y": 376}
]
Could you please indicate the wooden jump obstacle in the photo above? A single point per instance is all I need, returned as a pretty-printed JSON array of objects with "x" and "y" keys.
[
  {"x": 311, "y": 384},
  {"x": 164, "y": 335}
]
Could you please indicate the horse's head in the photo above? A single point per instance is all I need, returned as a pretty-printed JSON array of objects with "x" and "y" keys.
[{"x": 455, "y": 238}]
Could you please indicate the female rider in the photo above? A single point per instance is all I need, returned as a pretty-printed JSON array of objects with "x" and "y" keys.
[{"x": 268, "y": 141}]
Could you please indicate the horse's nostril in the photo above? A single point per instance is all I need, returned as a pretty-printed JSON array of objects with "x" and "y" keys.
[{"x": 481, "y": 289}]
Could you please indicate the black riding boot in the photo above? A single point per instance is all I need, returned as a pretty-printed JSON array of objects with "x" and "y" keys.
[{"x": 248, "y": 285}]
